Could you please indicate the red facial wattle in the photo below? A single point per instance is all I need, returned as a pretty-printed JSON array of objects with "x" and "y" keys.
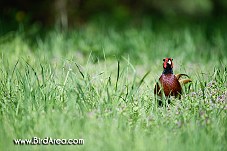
[
  {"x": 164, "y": 65},
  {"x": 167, "y": 61}
]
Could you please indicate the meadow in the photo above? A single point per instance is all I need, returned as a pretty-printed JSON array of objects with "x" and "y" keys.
[{"x": 95, "y": 82}]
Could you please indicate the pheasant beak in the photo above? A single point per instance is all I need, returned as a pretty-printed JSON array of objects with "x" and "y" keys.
[{"x": 169, "y": 62}]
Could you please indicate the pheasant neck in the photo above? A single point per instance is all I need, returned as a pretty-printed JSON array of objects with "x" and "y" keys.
[{"x": 168, "y": 71}]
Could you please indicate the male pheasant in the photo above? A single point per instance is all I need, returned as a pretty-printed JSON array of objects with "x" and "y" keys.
[{"x": 170, "y": 83}]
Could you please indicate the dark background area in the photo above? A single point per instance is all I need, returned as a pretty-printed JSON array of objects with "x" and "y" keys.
[{"x": 71, "y": 13}]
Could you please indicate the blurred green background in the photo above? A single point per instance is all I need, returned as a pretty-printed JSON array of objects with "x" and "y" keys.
[
  {"x": 75, "y": 12},
  {"x": 142, "y": 29}
]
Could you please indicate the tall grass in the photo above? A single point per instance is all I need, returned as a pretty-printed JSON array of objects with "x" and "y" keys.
[{"x": 70, "y": 85}]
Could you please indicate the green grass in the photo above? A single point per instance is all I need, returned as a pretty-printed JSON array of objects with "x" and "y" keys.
[{"x": 70, "y": 85}]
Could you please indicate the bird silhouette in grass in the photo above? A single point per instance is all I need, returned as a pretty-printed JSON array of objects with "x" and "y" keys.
[{"x": 169, "y": 84}]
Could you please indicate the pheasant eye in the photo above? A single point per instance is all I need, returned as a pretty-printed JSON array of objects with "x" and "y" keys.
[{"x": 164, "y": 59}]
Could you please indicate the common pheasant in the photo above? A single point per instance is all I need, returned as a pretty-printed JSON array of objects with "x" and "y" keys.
[{"x": 170, "y": 83}]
